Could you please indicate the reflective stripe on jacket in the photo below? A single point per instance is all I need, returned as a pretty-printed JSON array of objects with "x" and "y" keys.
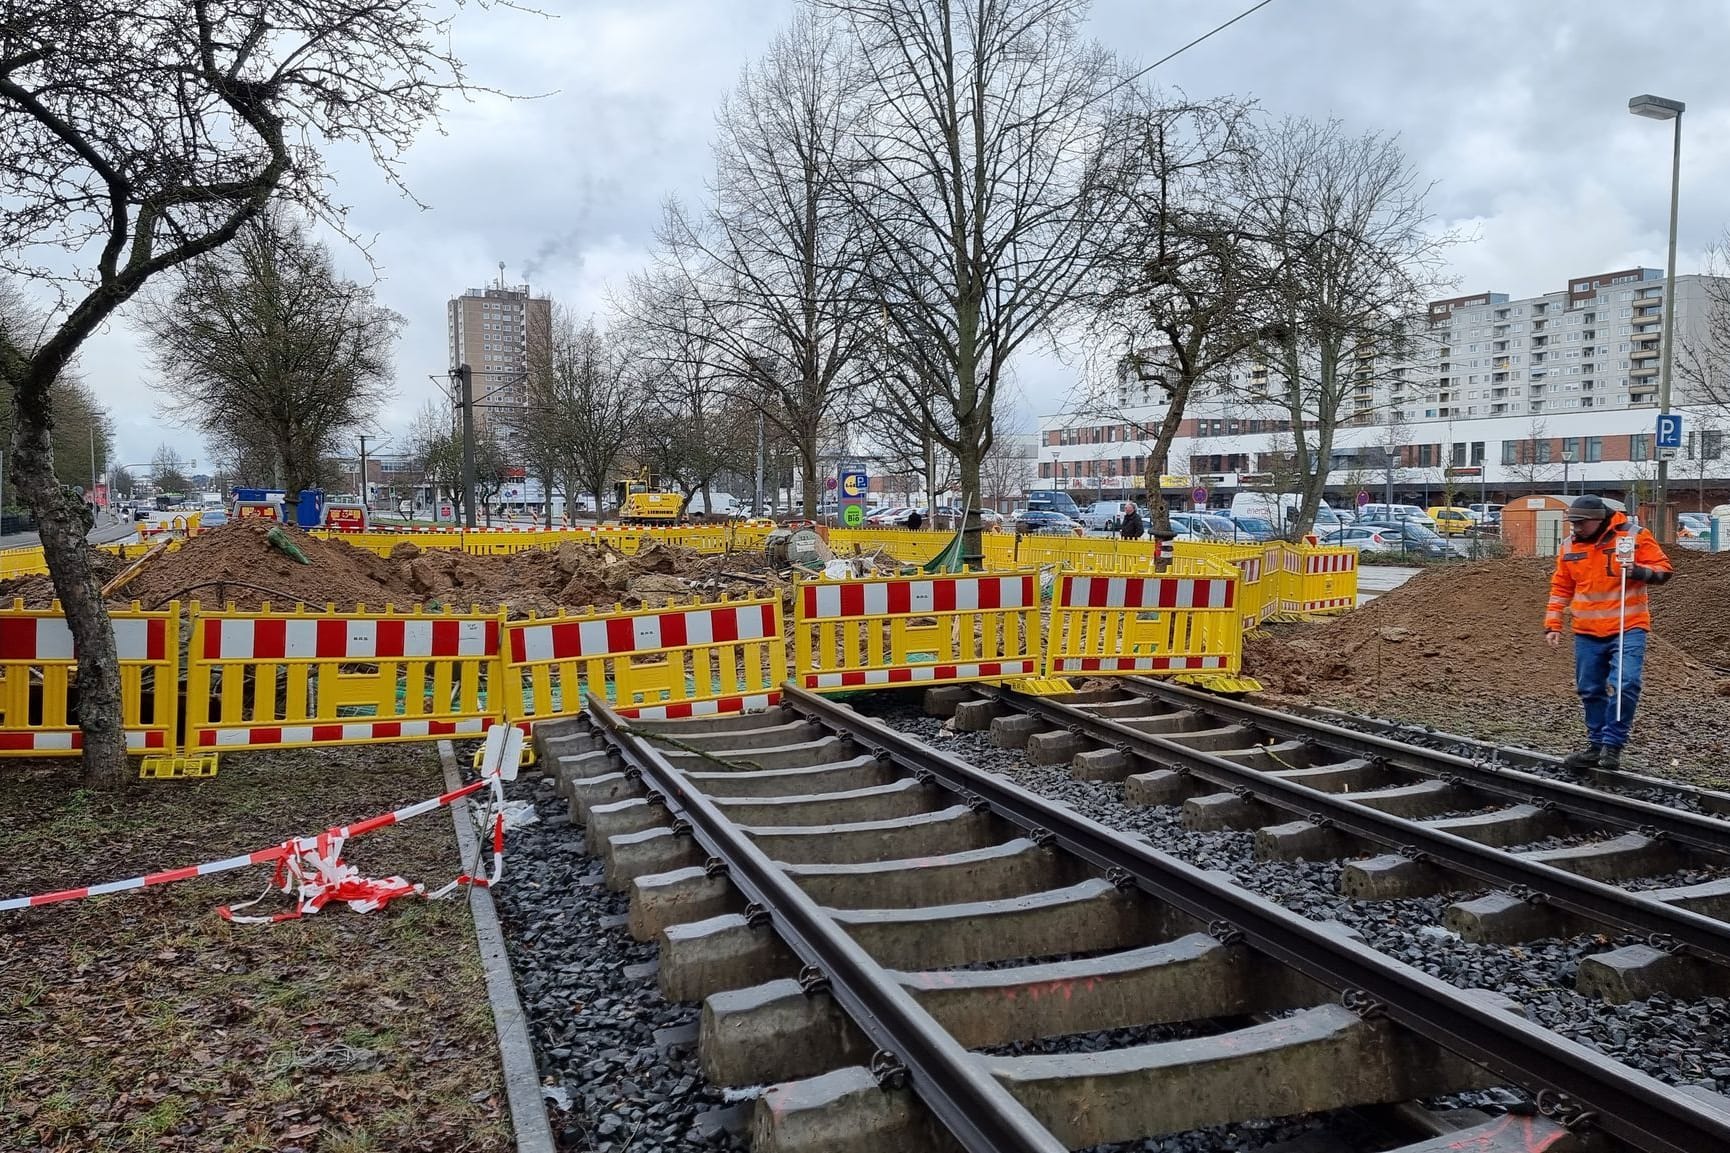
[{"x": 1588, "y": 583}]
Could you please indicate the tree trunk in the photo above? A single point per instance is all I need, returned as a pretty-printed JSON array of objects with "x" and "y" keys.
[
  {"x": 808, "y": 463},
  {"x": 61, "y": 526}
]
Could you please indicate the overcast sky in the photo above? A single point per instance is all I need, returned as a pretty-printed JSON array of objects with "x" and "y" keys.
[{"x": 1517, "y": 111}]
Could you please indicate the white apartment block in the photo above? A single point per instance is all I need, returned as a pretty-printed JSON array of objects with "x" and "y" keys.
[{"x": 1519, "y": 394}]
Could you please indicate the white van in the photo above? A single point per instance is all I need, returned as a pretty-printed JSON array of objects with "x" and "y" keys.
[
  {"x": 726, "y": 504},
  {"x": 1277, "y": 508}
]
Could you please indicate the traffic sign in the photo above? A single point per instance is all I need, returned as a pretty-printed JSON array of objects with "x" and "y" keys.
[
  {"x": 853, "y": 484},
  {"x": 853, "y": 516},
  {"x": 1363, "y": 497},
  {"x": 1669, "y": 430},
  {"x": 1199, "y": 496},
  {"x": 1668, "y": 452}
]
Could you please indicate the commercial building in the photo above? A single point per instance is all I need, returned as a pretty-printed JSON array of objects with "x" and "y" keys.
[
  {"x": 498, "y": 331},
  {"x": 1497, "y": 397}
]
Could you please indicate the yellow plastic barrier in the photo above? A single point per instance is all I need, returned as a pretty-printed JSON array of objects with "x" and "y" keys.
[
  {"x": 916, "y": 630},
  {"x": 678, "y": 661},
  {"x": 276, "y": 680},
  {"x": 1258, "y": 583},
  {"x": 37, "y": 680},
  {"x": 911, "y": 546},
  {"x": 1319, "y": 580},
  {"x": 17, "y": 562},
  {"x": 1128, "y": 625}
]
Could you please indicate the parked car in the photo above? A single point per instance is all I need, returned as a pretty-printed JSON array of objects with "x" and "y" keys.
[
  {"x": 1482, "y": 512},
  {"x": 1104, "y": 515},
  {"x": 1390, "y": 513},
  {"x": 1254, "y": 528},
  {"x": 1044, "y": 522},
  {"x": 1690, "y": 525},
  {"x": 1053, "y": 500},
  {"x": 1203, "y": 526},
  {"x": 1409, "y": 536},
  {"x": 888, "y": 516},
  {"x": 211, "y": 517},
  {"x": 1451, "y": 520}
]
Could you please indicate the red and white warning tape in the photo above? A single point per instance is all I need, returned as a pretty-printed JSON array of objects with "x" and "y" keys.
[{"x": 312, "y": 870}]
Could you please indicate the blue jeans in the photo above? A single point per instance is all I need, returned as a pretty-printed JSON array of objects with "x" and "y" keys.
[{"x": 1595, "y": 679}]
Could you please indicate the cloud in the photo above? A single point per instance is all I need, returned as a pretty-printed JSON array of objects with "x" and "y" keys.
[{"x": 1517, "y": 112}]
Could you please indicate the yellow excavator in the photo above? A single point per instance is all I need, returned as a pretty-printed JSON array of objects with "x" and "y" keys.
[{"x": 642, "y": 501}]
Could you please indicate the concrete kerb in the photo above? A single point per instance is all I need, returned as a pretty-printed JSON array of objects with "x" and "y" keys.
[{"x": 534, "y": 1133}]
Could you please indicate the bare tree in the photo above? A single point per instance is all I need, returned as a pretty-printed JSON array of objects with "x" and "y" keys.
[
  {"x": 699, "y": 425},
  {"x": 1355, "y": 257},
  {"x": 168, "y": 470},
  {"x": 263, "y": 335},
  {"x": 436, "y": 447},
  {"x": 1187, "y": 291},
  {"x": 1013, "y": 458},
  {"x": 1533, "y": 464},
  {"x": 982, "y": 179},
  {"x": 1702, "y": 362},
  {"x": 140, "y": 134},
  {"x": 775, "y": 260},
  {"x": 602, "y": 404}
]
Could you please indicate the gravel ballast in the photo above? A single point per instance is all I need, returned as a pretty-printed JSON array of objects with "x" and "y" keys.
[{"x": 1678, "y": 1042}]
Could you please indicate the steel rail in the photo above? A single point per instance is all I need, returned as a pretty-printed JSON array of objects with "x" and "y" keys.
[
  {"x": 981, "y": 1114},
  {"x": 1593, "y": 900},
  {"x": 1626, "y": 1104},
  {"x": 1696, "y": 831},
  {"x": 1714, "y": 801}
]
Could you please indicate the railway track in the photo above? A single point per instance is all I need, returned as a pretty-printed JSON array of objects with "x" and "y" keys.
[
  {"x": 1410, "y": 821},
  {"x": 870, "y": 924}
]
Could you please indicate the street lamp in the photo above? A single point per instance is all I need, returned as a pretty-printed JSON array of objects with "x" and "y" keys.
[
  {"x": 1054, "y": 483},
  {"x": 1567, "y": 463},
  {"x": 1658, "y": 108}
]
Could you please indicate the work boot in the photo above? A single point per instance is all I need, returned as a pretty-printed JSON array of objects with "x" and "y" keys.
[
  {"x": 1610, "y": 758},
  {"x": 1587, "y": 758}
]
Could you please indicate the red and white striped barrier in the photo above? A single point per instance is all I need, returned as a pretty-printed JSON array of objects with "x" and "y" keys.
[
  {"x": 1136, "y": 664},
  {"x": 637, "y": 633},
  {"x": 1331, "y": 562},
  {"x": 334, "y": 732},
  {"x": 45, "y": 638},
  {"x": 1149, "y": 592},
  {"x": 679, "y": 710},
  {"x": 344, "y": 638},
  {"x": 842, "y": 600},
  {"x": 919, "y": 674},
  {"x": 312, "y": 868}
]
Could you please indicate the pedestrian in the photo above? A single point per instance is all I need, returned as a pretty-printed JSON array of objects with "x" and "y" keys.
[
  {"x": 1131, "y": 528},
  {"x": 1610, "y": 627},
  {"x": 915, "y": 521}
]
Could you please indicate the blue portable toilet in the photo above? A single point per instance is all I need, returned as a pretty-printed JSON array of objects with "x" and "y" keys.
[{"x": 309, "y": 513}]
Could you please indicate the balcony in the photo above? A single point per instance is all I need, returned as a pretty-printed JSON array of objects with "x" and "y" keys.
[
  {"x": 1646, "y": 353},
  {"x": 1645, "y": 370},
  {"x": 1653, "y": 333}
]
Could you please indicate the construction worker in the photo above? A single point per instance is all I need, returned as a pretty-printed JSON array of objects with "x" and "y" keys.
[{"x": 1603, "y": 587}]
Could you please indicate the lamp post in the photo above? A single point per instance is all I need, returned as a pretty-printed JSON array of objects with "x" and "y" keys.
[
  {"x": 1567, "y": 463},
  {"x": 1659, "y": 108},
  {"x": 1054, "y": 468},
  {"x": 462, "y": 377}
]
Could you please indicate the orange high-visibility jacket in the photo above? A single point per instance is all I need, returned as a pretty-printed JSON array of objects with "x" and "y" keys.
[{"x": 1588, "y": 583}]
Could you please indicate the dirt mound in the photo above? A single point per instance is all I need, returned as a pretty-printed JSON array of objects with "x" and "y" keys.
[
  {"x": 37, "y": 592},
  {"x": 1477, "y": 629},
  {"x": 237, "y": 563}
]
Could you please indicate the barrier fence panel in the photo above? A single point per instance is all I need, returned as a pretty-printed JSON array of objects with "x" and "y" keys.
[
  {"x": 1144, "y": 624},
  {"x": 276, "y": 680},
  {"x": 677, "y": 661},
  {"x": 39, "y": 680},
  {"x": 1318, "y": 580},
  {"x": 916, "y": 630},
  {"x": 1257, "y": 585}
]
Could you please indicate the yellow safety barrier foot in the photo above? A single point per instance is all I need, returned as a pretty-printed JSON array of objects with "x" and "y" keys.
[
  {"x": 175, "y": 767},
  {"x": 1217, "y": 683},
  {"x": 1040, "y": 686},
  {"x": 530, "y": 757}
]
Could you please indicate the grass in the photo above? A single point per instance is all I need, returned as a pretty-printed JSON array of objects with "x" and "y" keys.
[{"x": 143, "y": 1022}]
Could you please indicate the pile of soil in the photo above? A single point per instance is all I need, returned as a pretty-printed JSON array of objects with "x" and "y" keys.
[
  {"x": 37, "y": 592},
  {"x": 1476, "y": 627},
  {"x": 237, "y": 563}
]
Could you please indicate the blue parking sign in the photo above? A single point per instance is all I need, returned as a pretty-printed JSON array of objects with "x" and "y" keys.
[{"x": 1669, "y": 430}]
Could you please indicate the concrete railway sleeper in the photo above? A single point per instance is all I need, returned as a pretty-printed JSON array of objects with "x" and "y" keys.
[
  {"x": 859, "y": 914},
  {"x": 1410, "y": 821}
]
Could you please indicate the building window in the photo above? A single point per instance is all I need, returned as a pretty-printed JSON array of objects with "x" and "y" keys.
[
  {"x": 1594, "y": 444},
  {"x": 1478, "y": 452},
  {"x": 1509, "y": 450},
  {"x": 1459, "y": 452},
  {"x": 1640, "y": 446},
  {"x": 1544, "y": 449},
  {"x": 1572, "y": 444}
]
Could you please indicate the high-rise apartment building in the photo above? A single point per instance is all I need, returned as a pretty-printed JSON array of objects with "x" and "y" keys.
[
  {"x": 1518, "y": 394},
  {"x": 497, "y": 331}
]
